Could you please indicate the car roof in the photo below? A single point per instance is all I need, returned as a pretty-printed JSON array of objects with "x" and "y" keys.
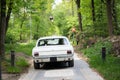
[{"x": 49, "y": 37}]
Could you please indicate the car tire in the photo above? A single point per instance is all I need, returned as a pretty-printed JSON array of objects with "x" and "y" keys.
[
  {"x": 36, "y": 65},
  {"x": 71, "y": 63}
]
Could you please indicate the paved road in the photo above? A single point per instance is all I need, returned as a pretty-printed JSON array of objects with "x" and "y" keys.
[{"x": 59, "y": 71}]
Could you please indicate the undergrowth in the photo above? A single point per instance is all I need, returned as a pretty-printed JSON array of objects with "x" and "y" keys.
[
  {"x": 109, "y": 68},
  {"x": 20, "y": 62}
]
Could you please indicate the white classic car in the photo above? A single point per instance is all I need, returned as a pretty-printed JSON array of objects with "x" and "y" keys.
[{"x": 53, "y": 49}]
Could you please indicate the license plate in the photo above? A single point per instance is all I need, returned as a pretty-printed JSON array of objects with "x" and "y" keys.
[{"x": 53, "y": 59}]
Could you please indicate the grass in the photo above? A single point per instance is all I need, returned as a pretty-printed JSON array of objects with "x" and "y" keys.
[
  {"x": 109, "y": 69},
  {"x": 21, "y": 47},
  {"x": 20, "y": 65},
  {"x": 20, "y": 62},
  {"x": 13, "y": 69}
]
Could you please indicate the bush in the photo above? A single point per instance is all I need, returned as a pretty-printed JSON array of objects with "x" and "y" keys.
[{"x": 10, "y": 38}]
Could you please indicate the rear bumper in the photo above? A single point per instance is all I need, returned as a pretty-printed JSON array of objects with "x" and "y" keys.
[{"x": 53, "y": 59}]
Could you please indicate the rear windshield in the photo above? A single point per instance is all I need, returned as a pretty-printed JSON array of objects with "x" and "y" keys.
[{"x": 55, "y": 41}]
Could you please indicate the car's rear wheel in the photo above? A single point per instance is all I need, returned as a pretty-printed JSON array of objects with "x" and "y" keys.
[
  {"x": 71, "y": 63},
  {"x": 36, "y": 65}
]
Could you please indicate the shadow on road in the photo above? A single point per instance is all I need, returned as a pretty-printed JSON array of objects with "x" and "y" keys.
[{"x": 55, "y": 65}]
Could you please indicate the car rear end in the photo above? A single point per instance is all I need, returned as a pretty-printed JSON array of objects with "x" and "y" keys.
[{"x": 63, "y": 52}]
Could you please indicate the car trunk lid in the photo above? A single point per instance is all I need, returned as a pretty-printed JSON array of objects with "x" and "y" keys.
[{"x": 53, "y": 50}]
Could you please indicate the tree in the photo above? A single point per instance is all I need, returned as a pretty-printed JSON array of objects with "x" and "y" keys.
[
  {"x": 4, "y": 20},
  {"x": 23, "y": 18},
  {"x": 109, "y": 16},
  {"x": 79, "y": 14},
  {"x": 8, "y": 14},
  {"x": 114, "y": 13},
  {"x": 93, "y": 11},
  {"x": 2, "y": 30},
  {"x": 3, "y": 26},
  {"x": 4, "y": 23}
]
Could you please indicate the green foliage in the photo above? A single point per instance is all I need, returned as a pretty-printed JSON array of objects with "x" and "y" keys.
[
  {"x": 10, "y": 37},
  {"x": 21, "y": 62},
  {"x": 86, "y": 13},
  {"x": 30, "y": 19},
  {"x": 25, "y": 48},
  {"x": 107, "y": 68},
  {"x": 96, "y": 49},
  {"x": 71, "y": 22},
  {"x": 21, "y": 47},
  {"x": 110, "y": 67},
  {"x": 11, "y": 69},
  {"x": 64, "y": 19}
]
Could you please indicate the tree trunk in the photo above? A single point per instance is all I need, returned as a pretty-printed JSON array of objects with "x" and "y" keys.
[
  {"x": 115, "y": 15},
  {"x": 93, "y": 14},
  {"x": 0, "y": 42},
  {"x": 79, "y": 15},
  {"x": 109, "y": 15},
  {"x": 8, "y": 14},
  {"x": 93, "y": 11},
  {"x": 2, "y": 31},
  {"x": 2, "y": 28},
  {"x": 4, "y": 24},
  {"x": 101, "y": 10}
]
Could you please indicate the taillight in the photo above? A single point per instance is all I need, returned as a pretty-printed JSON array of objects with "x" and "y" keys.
[
  {"x": 36, "y": 54},
  {"x": 69, "y": 52}
]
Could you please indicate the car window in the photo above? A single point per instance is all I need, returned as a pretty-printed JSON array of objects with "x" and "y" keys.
[{"x": 54, "y": 41}]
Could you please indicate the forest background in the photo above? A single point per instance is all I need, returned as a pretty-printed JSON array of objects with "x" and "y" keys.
[{"x": 23, "y": 21}]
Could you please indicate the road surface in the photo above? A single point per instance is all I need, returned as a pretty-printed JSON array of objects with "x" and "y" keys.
[{"x": 59, "y": 71}]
